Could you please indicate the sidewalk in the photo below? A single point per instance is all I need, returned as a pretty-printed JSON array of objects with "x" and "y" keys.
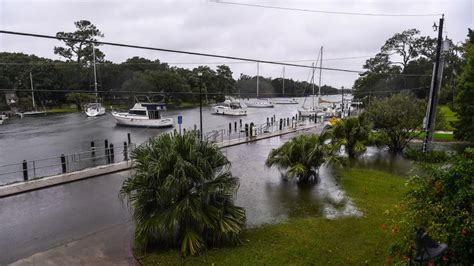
[{"x": 110, "y": 246}]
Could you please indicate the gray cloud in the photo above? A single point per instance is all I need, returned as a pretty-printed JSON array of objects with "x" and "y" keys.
[{"x": 233, "y": 30}]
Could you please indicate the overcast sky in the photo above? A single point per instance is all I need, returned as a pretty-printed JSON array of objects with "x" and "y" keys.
[{"x": 209, "y": 27}]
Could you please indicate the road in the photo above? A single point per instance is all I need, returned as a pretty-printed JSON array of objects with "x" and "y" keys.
[{"x": 37, "y": 221}]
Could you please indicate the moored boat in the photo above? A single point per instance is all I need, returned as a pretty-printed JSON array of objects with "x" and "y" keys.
[
  {"x": 94, "y": 109},
  {"x": 144, "y": 115},
  {"x": 230, "y": 107}
]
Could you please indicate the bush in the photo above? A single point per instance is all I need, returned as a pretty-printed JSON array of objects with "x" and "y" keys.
[
  {"x": 433, "y": 156},
  {"x": 442, "y": 203},
  {"x": 182, "y": 195}
]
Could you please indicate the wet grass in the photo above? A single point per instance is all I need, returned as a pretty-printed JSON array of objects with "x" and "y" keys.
[
  {"x": 315, "y": 240},
  {"x": 62, "y": 110},
  {"x": 438, "y": 136}
]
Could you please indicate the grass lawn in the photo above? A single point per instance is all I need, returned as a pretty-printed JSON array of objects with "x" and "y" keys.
[
  {"x": 315, "y": 240},
  {"x": 62, "y": 110},
  {"x": 438, "y": 136},
  {"x": 450, "y": 115}
]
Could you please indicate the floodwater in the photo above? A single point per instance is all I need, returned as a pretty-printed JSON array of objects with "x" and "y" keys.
[{"x": 268, "y": 198}]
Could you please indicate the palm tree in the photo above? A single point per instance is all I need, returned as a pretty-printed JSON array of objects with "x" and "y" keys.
[
  {"x": 353, "y": 133},
  {"x": 301, "y": 157},
  {"x": 181, "y": 193}
]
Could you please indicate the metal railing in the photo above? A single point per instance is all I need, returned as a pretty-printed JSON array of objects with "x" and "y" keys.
[{"x": 64, "y": 163}]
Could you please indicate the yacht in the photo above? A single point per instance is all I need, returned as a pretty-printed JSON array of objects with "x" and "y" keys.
[
  {"x": 230, "y": 107},
  {"x": 260, "y": 103},
  {"x": 35, "y": 111},
  {"x": 94, "y": 109},
  {"x": 314, "y": 110},
  {"x": 144, "y": 115},
  {"x": 285, "y": 101}
]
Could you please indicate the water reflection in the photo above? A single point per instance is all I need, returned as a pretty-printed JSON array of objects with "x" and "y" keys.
[{"x": 268, "y": 198}]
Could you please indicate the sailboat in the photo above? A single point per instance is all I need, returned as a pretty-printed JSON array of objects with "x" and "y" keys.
[
  {"x": 34, "y": 111},
  {"x": 259, "y": 102},
  {"x": 96, "y": 108},
  {"x": 314, "y": 110},
  {"x": 284, "y": 100}
]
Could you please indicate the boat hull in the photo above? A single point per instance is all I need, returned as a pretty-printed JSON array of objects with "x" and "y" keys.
[
  {"x": 124, "y": 119},
  {"x": 230, "y": 112},
  {"x": 94, "y": 112}
]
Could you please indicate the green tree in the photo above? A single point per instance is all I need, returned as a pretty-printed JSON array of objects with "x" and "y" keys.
[
  {"x": 353, "y": 133},
  {"x": 397, "y": 119},
  {"x": 181, "y": 193},
  {"x": 78, "y": 47},
  {"x": 405, "y": 44},
  {"x": 465, "y": 99},
  {"x": 301, "y": 157},
  {"x": 80, "y": 98}
]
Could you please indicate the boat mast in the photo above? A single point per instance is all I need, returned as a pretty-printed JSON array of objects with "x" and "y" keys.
[
  {"x": 32, "y": 92},
  {"x": 312, "y": 82},
  {"x": 320, "y": 72},
  {"x": 283, "y": 81},
  {"x": 258, "y": 68},
  {"x": 95, "y": 72}
]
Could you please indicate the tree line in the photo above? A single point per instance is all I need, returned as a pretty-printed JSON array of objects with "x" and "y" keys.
[{"x": 54, "y": 79}]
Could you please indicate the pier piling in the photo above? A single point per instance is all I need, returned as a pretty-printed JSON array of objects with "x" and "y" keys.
[
  {"x": 125, "y": 151},
  {"x": 92, "y": 148},
  {"x": 129, "y": 138},
  {"x": 106, "y": 149},
  {"x": 63, "y": 163},
  {"x": 111, "y": 152},
  {"x": 25, "y": 170}
]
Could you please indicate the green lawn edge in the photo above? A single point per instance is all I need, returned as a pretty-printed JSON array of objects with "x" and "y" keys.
[{"x": 315, "y": 240}]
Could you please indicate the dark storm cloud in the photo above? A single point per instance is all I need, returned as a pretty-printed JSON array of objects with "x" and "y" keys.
[{"x": 233, "y": 30}]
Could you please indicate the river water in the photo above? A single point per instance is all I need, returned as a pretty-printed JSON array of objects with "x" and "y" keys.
[{"x": 33, "y": 138}]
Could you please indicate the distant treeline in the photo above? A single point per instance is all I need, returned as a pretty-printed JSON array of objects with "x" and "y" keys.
[{"x": 53, "y": 79}]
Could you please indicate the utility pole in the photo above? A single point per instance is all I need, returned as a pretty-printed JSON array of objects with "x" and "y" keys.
[
  {"x": 436, "y": 84},
  {"x": 200, "y": 105}
]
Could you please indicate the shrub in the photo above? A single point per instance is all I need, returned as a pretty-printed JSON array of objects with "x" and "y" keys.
[
  {"x": 433, "y": 156},
  {"x": 181, "y": 193},
  {"x": 442, "y": 203}
]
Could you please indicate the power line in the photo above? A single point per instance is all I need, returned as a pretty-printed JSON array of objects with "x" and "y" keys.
[
  {"x": 199, "y": 54},
  {"x": 326, "y": 11},
  {"x": 175, "y": 51},
  {"x": 187, "y": 63}
]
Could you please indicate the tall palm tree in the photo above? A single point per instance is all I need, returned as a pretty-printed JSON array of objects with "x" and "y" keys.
[
  {"x": 301, "y": 157},
  {"x": 352, "y": 132},
  {"x": 181, "y": 193}
]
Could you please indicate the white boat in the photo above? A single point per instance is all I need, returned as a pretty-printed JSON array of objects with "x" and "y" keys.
[
  {"x": 94, "y": 109},
  {"x": 313, "y": 110},
  {"x": 285, "y": 101},
  {"x": 144, "y": 115},
  {"x": 230, "y": 107},
  {"x": 260, "y": 103},
  {"x": 35, "y": 111}
]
